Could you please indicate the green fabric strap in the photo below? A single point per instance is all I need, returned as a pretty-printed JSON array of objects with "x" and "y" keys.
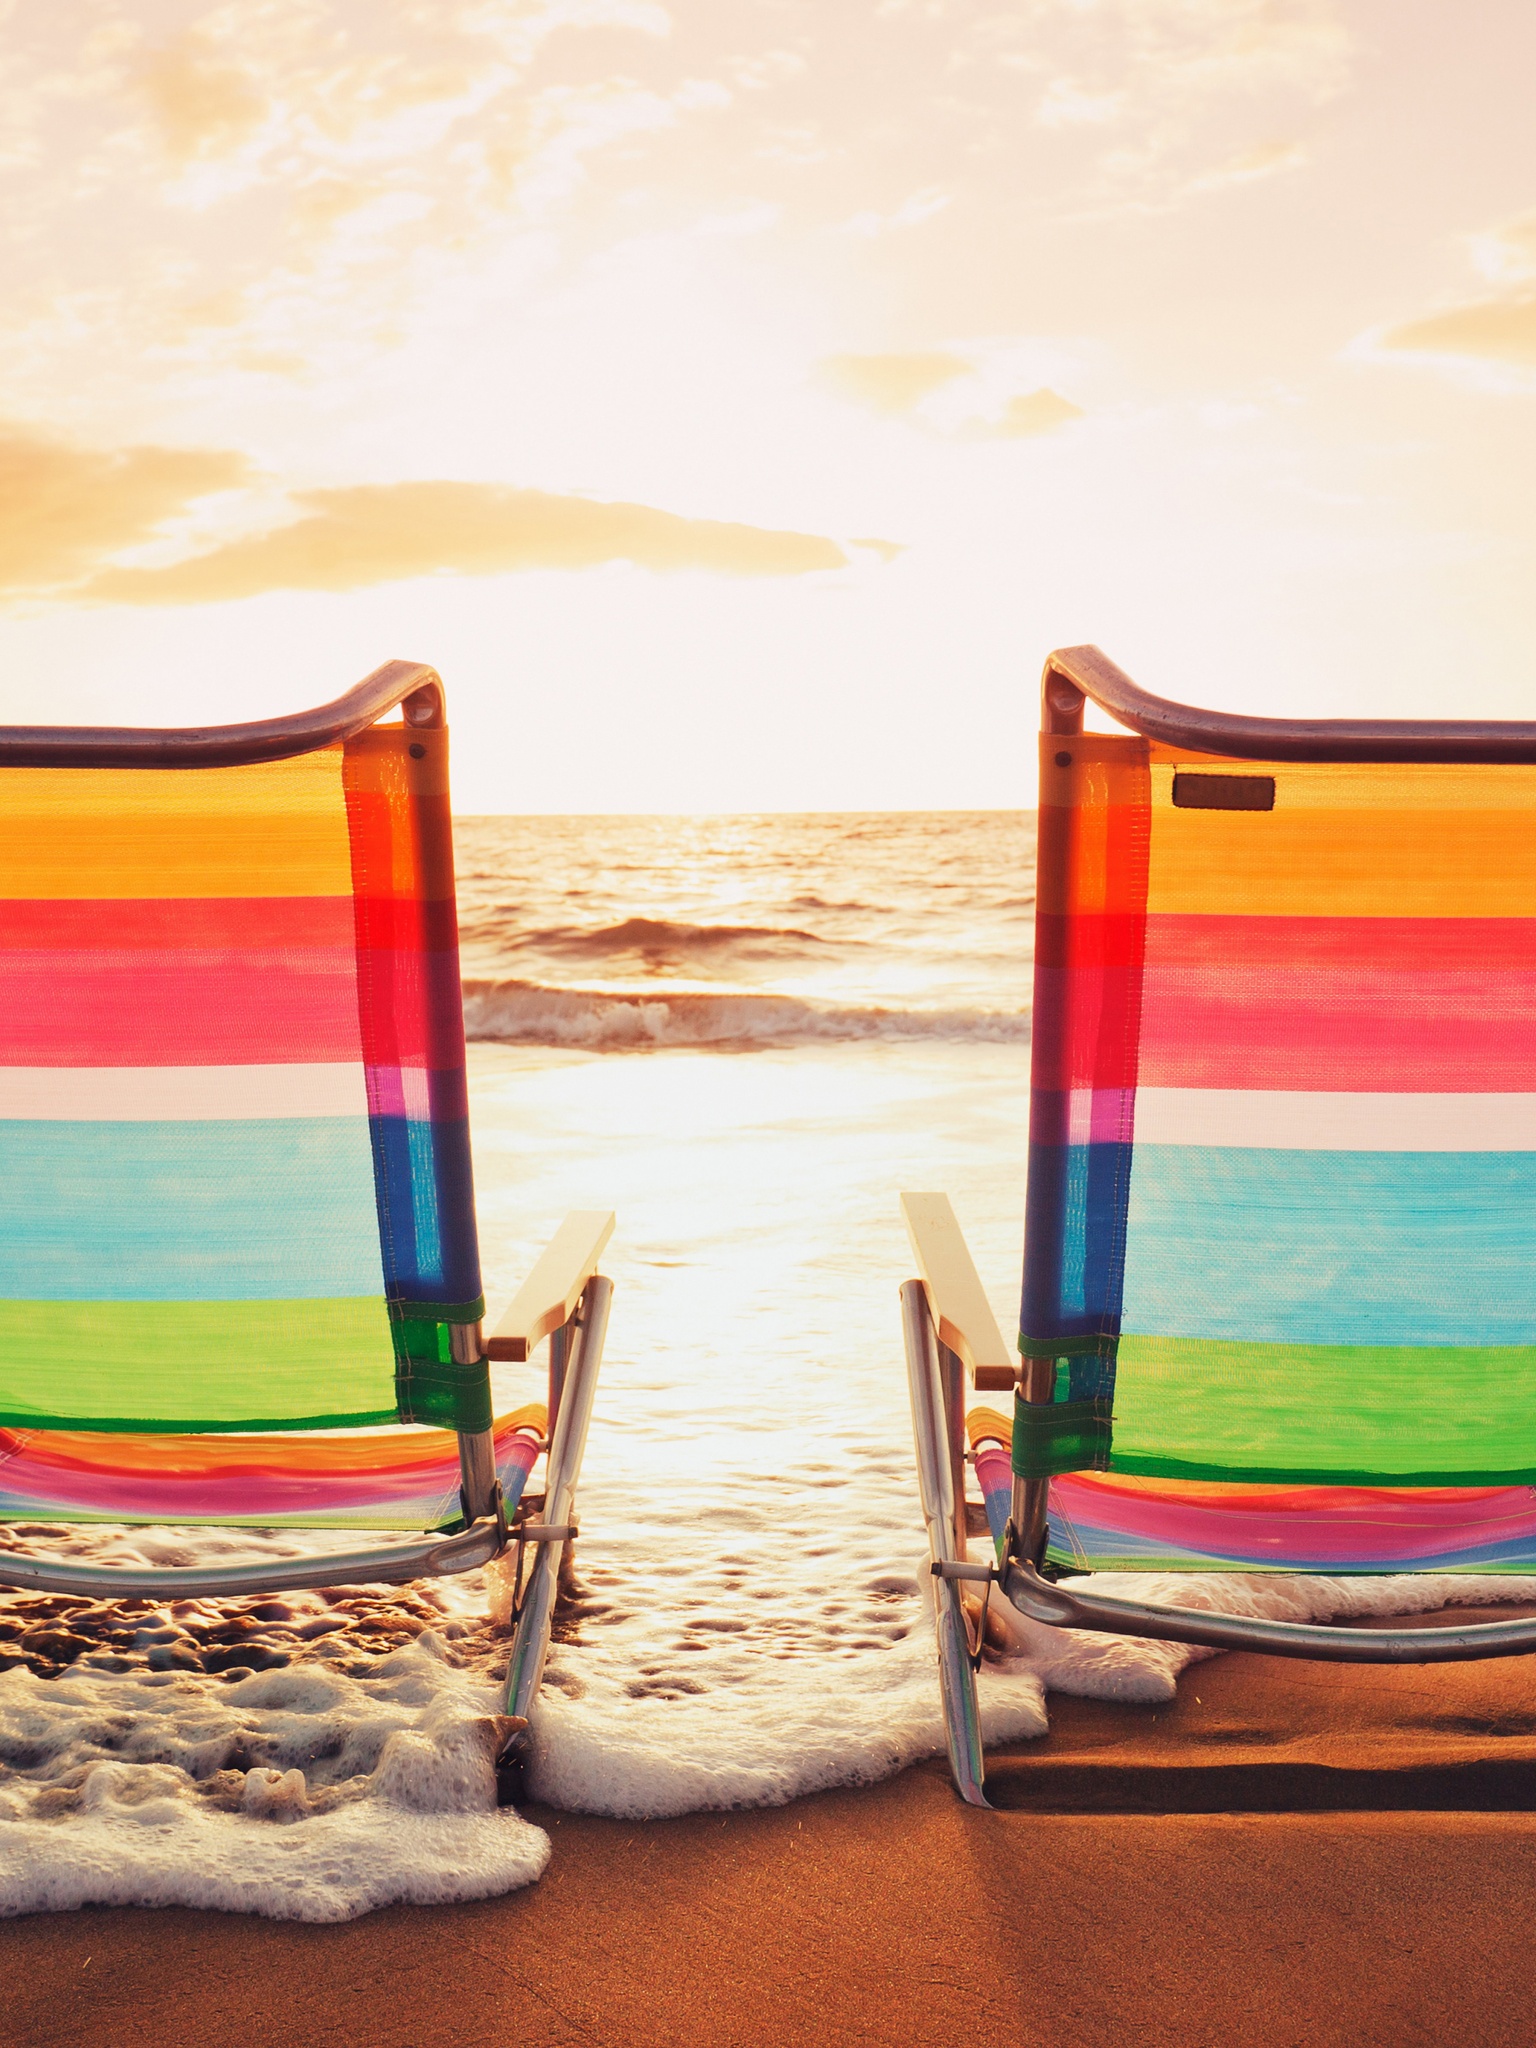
[
  {"x": 1068, "y": 1347},
  {"x": 438, "y": 1311},
  {"x": 430, "y": 1386},
  {"x": 1060, "y": 1436}
]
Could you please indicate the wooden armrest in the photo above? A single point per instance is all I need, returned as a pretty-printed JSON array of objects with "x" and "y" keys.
[
  {"x": 961, "y": 1312},
  {"x": 548, "y": 1297}
]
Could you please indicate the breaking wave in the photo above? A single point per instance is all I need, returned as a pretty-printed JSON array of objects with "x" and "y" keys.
[
  {"x": 531, "y": 1013},
  {"x": 669, "y": 939}
]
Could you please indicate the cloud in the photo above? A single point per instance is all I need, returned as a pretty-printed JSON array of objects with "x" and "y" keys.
[
  {"x": 367, "y": 534},
  {"x": 1500, "y": 330},
  {"x": 1496, "y": 331},
  {"x": 202, "y": 105},
  {"x": 1248, "y": 165},
  {"x": 893, "y": 383},
  {"x": 1034, "y": 412},
  {"x": 911, "y": 213},
  {"x": 1064, "y": 105},
  {"x": 899, "y": 384},
  {"x": 1159, "y": 102},
  {"x": 63, "y": 508},
  {"x": 1507, "y": 254}
]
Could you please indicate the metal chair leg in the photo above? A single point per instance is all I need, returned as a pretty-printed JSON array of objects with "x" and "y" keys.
[
  {"x": 943, "y": 1512},
  {"x": 536, "y": 1607}
]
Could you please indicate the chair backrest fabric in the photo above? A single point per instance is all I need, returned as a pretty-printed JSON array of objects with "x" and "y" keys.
[
  {"x": 1282, "y": 1176},
  {"x": 235, "y": 1183}
]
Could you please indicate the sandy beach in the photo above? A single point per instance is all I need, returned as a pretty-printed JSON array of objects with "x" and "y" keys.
[{"x": 1394, "y": 1910}]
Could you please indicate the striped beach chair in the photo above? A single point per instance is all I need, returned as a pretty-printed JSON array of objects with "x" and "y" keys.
[
  {"x": 1279, "y": 1305},
  {"x": 237, "y": 1229}
]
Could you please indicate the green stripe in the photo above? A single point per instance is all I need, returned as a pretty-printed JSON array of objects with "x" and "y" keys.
[
  {"x": 196, "y": 1365},
  {"x": 1069, "y": 1564},
  {"x": 1320, "y": 1475},
  {"x": 1325, "y": 1414},
  {"x": 198, "y": 1425},
  {"x": 407, "y": 1523}
]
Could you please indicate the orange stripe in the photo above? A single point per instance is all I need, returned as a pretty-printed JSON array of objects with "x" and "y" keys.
[
  {"x": 1093, "y": 796},
  {"x": 209, "y": 1455},
  {"x": 397, "y": 793},
  {"x": 1347, "y": 841},
  {"x": 275, "y": 829}
]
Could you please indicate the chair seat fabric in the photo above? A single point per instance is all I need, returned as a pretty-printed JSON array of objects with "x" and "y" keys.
[
  {"x": 408, "y": 1479},
  {"x": 1282, "y": 1180},
  {"x": 235, "y": 1184},
  {"x": 1102, "y": 1522}
]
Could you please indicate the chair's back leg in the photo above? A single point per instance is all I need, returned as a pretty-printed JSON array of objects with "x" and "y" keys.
[
  {"x": 933, "y": 1429},
  {"x": 568, "y": 1437},
  {"x": 1031, "y": 1497},
  {"x": 952, "y": 1394},
  {"x": 477, "y": 1448}
]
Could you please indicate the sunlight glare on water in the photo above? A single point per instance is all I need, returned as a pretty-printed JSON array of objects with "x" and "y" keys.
[{"x": 750, "y": 1525}]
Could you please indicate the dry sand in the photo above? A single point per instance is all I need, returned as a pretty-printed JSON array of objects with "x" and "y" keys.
[{"x": 1368, "y": 1876}]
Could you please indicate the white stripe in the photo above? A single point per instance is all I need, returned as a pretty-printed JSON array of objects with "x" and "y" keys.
[
  {"x": 1290, "y": 1119},
  {"x": 174, "y": 1094}
]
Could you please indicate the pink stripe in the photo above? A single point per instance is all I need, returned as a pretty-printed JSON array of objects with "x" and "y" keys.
[
  {"x": 994, "y": 1469},
  {"x": 1341, "y": 1525},
  {"x": 417, "y": 1092},
  {"x": 43, "y": 1480},
  {"x": 1101, "y": 1116},
  {"x": 1406, "y": 1005},
  {"x": 177, "y": 1009}
]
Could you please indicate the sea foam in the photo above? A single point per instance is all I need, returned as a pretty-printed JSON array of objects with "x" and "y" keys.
[
  {"x": 512, "y": 1012},
  {"x": 345, "y": 1779},
  {"x": 145, "y": 1760}
]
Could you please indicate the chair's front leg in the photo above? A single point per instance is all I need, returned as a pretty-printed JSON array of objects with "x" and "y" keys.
[
  {"x": 934, "y": 1430},
  {"x": 567, "y": 1441}
]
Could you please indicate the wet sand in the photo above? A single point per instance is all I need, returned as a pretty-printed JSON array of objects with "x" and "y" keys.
[{"x": 1369, "y": 1877}]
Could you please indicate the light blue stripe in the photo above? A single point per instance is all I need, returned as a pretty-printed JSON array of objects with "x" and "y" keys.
[
  {"x": 1332, "y": 1247},
  {"x": 216, "y": 1210}
]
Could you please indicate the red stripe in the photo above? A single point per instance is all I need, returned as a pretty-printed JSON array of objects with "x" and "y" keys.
[
  {"x": 1086, "y": 1029},
  {"x": 238, "y": 924},
  {"x": 407, "y": 923},
  {"x": 1434, "y": 1005},
  {"x": 177, "y": 1009},
  {"x": 1416, "y": 944},
  {"x": 413, "y": 1009}
]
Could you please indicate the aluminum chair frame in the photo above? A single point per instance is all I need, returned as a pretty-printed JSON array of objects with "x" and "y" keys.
[
  {"x": 951, "y": 1337},
  {"x": 564, "y": 1299}
]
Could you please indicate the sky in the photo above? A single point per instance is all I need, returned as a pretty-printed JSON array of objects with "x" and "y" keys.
[{"x": 736, "y": 400}]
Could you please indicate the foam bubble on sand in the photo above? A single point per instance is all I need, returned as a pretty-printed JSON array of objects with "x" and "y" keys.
[
  {"x": 304, "y": 1792},
  {"x": 793, "y": 1732},
  {"x": 315, "y": 1756}
]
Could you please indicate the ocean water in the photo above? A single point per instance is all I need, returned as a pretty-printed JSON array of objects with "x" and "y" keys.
[{"x": 746, "y": 1036}]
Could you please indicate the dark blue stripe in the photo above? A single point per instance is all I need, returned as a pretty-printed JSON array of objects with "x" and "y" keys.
[
  {"x": 426, "y": 1209},
  {"x": 1074, "y": 1239}
]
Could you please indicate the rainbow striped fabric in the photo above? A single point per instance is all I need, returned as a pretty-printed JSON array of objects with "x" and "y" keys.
[
  {"x": 1282, "y": 1180},
  {"x": 406, "y": 1480},
  {"x": 234, "y": 1156}
]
